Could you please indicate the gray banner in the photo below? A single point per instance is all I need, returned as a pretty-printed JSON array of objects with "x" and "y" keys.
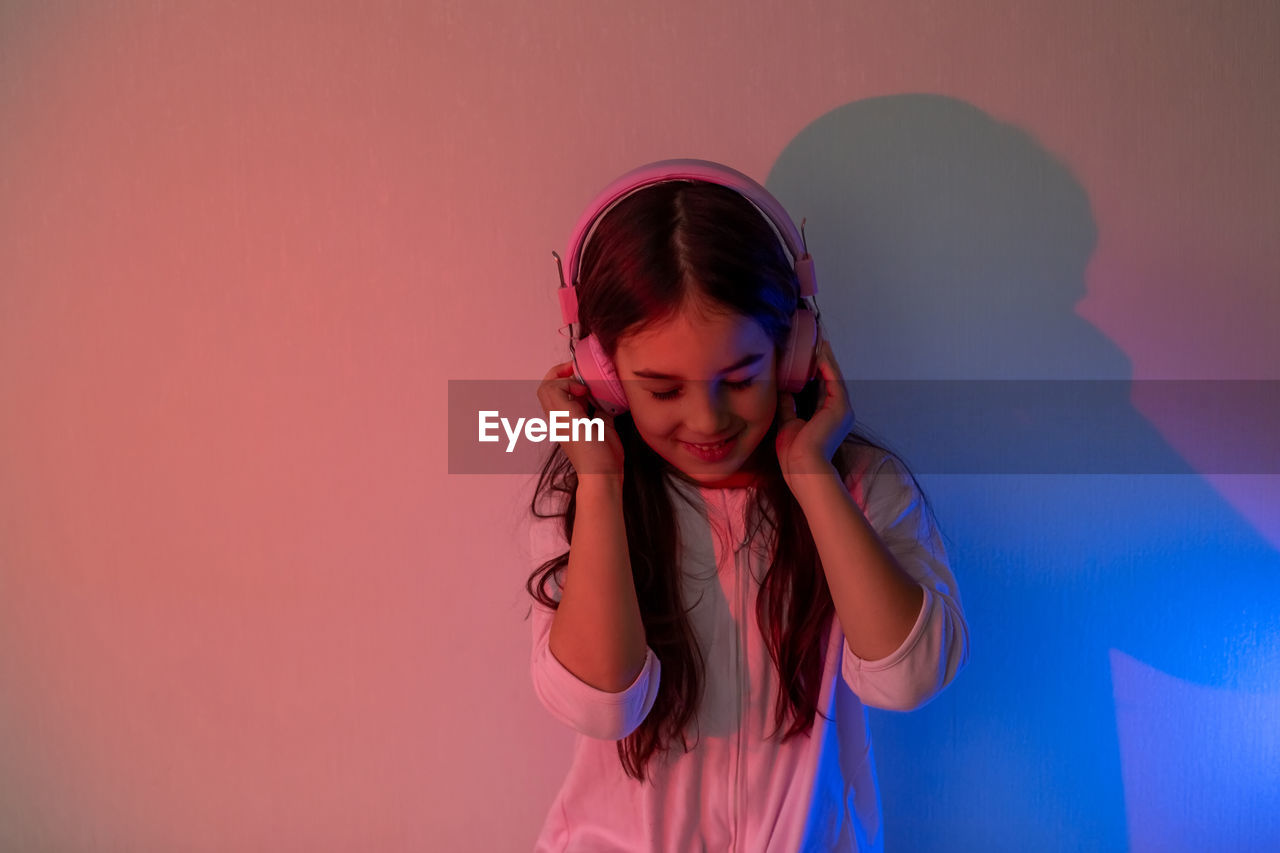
[{"x": 965, "y": 426}]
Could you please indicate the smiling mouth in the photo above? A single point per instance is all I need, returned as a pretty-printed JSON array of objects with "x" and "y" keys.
[
  {"x": 711, "y": 445},
  {"x": 712, "y": 452}
]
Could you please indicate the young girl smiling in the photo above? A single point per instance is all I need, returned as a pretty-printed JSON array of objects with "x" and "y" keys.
[{"x": 731, "y": 577}]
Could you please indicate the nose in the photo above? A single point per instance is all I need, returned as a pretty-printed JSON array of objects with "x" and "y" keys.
[{"x": 707, "y": 414}]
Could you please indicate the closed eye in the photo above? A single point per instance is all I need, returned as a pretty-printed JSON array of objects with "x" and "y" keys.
[{"x": 674, "y": 392}]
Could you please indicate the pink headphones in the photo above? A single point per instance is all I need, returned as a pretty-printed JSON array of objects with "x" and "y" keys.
[{"x": 594, "y": 369}]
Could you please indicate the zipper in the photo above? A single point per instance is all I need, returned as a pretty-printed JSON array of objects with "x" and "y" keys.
[
  {"x": 736, "y": 542},
  {"x": 743, "y": 627},
  {"x": 742, "y": 697}
]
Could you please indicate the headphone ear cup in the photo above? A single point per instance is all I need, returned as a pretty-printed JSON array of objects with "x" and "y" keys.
[
  {"x": 600, "y": 376},
  {"x": 798, "y": 357}
]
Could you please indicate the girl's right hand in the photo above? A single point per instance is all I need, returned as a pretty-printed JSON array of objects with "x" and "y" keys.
[{"x": 561, "y": 391}]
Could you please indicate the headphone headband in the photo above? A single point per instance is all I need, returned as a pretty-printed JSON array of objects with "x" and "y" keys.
[{"x": 664, "y": 171}]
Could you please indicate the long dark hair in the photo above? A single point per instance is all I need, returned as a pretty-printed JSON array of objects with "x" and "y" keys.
[{"x": 654, "y": 251}]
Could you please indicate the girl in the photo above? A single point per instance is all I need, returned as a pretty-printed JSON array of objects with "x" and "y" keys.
[{"x": 732, "y": 575}]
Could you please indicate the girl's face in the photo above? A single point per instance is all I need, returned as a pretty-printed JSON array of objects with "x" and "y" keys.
[{"x": 702, "y": 390}]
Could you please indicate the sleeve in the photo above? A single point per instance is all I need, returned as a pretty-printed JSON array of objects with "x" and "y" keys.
[
  {"x": 938, "y": 645},
  {"x": 593, "y": 712}
]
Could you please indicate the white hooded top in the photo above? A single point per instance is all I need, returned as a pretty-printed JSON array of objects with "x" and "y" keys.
[{"x": 739, "y": 789}]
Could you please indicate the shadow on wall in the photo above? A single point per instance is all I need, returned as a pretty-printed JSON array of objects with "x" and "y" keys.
[{"x": 951, "y": 251}]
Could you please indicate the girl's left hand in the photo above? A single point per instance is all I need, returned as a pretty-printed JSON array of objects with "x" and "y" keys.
[{"x": 806, "y": 447}]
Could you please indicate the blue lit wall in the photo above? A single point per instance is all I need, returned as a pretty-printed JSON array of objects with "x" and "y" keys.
[{"x": 1123, "y": 690}]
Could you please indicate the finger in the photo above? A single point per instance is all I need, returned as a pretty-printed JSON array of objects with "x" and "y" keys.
[
  {"x": 577, "y": 394},
  {"x": 564, "y": 368},
  {"x": 556, "y": 384},
  {"x": 563, "y": 394},
  {"x": 562, "y": 378},
  {"x": 833, "y": 381},
  {"x": 830, "y": 378}
]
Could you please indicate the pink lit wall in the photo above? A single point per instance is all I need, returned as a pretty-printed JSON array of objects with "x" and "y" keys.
[{"x": 244, "y": 247}]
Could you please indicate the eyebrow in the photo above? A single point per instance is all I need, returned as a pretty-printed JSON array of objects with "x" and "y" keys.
[{"x": 742, "y": 362}]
